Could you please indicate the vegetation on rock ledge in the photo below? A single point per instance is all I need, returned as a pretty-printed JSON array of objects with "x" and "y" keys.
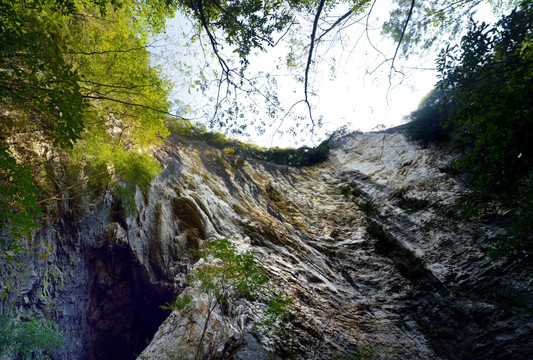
[{"x": 302, "y": 156}]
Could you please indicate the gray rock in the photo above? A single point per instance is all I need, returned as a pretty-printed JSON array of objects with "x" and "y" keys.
[
  {"x": 425, "y": 290},
  {"x": 251, "y": 349}
]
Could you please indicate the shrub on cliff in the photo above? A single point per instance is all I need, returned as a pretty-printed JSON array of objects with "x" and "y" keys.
[
  {"x": 430, "y": 122},
  {"x": 27, "y": 338},
  {"x": 225, "y": 275}
]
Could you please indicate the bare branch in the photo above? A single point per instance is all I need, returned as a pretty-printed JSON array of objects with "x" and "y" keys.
[
  {"x": 284, "y": 34},
  {"x": 114, "y": 51},
  {"x": 134, "y": 105},
  {"x": 392, "y": 68},
  {"x": 310, "y": 58},
  {"x": 367, "y": 32},
  {"x": 336, "y": 23},
  {"x": 199, "y": 10},
  {"x": 57, "y": 196},
  {"x": 282, "y": 120},
  {"x": 402, "y": 36}
]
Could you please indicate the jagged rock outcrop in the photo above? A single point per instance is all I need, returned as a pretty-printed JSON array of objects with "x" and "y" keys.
[{"x": 371, "y": 245}]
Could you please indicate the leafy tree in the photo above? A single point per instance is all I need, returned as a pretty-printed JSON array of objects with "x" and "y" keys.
[
  {"x": 227, "y": 272},
  {"x": 81, "y": 104},
  {"x": 18, "y": 207},
  {"x": 27, "y": 337},
  {"x": 488, "y": 78},
  {"x": 36, "y": 79}
]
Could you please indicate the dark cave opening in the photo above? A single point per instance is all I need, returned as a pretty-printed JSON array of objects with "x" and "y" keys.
[{"x": 124, "y": 307}]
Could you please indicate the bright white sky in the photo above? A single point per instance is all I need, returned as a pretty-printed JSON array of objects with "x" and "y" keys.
[{"x": 350, "y": 95}]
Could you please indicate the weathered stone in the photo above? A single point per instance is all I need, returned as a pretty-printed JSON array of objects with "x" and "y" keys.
[
  {"x": 251, "y": 350},
  {"x": 425, "y": 290}
]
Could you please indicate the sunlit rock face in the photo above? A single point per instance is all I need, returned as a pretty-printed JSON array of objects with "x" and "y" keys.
[{"x": 371, "y": 244}]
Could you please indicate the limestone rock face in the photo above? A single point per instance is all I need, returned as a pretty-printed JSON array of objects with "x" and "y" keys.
[
  {"x": 370, "y": 244},
  {"x": 423, "y": 293}
]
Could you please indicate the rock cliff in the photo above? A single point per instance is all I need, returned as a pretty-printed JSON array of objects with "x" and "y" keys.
[{"x": 370, "y": 244}]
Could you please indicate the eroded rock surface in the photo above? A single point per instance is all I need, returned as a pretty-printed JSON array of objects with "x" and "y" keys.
[
  {"x": 426, "y": 291},
  {"x": 370, "y": 244}
]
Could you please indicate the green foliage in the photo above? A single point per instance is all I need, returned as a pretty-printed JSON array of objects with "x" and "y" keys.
[
  {"x": 350, "y": 189},
  {"x": 276, "y": 317},
  {"x": 239, "y": 163},
  {"x": 28, "y": 337},
  {"x": 489, "y": 78},
  {"x": 302, "y": 156},
  {"x": 278, "y": 306},
  {"x": 184, "y": 303},
  {"x": 125, "y": 202},
  {"x": 229, "y": 271},
  {"x": 226, "y": 273},
  {"x": 114, "y": 67},
  {"x": 433, "y": 20},
  {"x": 430, "y": 122},
  {"x": 482, "y": 107},
  {"x": 247, "y": 25},
  {"x": 37, "y": 79},
  {"x": 18, "y": 207},
  {"x": 76, "y": 85},
  {"x": 137, "y": 168},
  {"x": 368, "y": 206}
]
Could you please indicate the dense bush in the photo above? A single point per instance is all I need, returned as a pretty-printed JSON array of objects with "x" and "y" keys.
[
  {"x": 430, "y": 122},
  {"x": 489, "y": 81},
  {"x": 227, "y": 274}
]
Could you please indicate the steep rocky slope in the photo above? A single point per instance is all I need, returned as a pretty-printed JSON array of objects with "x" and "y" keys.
[{"x": 371, "y": 244}]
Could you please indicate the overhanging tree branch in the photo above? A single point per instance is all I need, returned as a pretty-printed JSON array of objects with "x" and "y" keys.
[
  {"x": 336, "y": 23},
  {"x": 310, "y": 59},
  {"x": 199, "y": 11},
  {"x": 135, "y": 105},
  {"x": 402, "y": 36},
  {"x": 398, "y": 47}
]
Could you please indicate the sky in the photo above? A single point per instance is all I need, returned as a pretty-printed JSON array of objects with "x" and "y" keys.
[{"x": 352, "y": 84}]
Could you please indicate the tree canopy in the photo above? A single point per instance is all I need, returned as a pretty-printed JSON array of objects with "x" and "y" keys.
[{"x": 309, "y": 33}]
